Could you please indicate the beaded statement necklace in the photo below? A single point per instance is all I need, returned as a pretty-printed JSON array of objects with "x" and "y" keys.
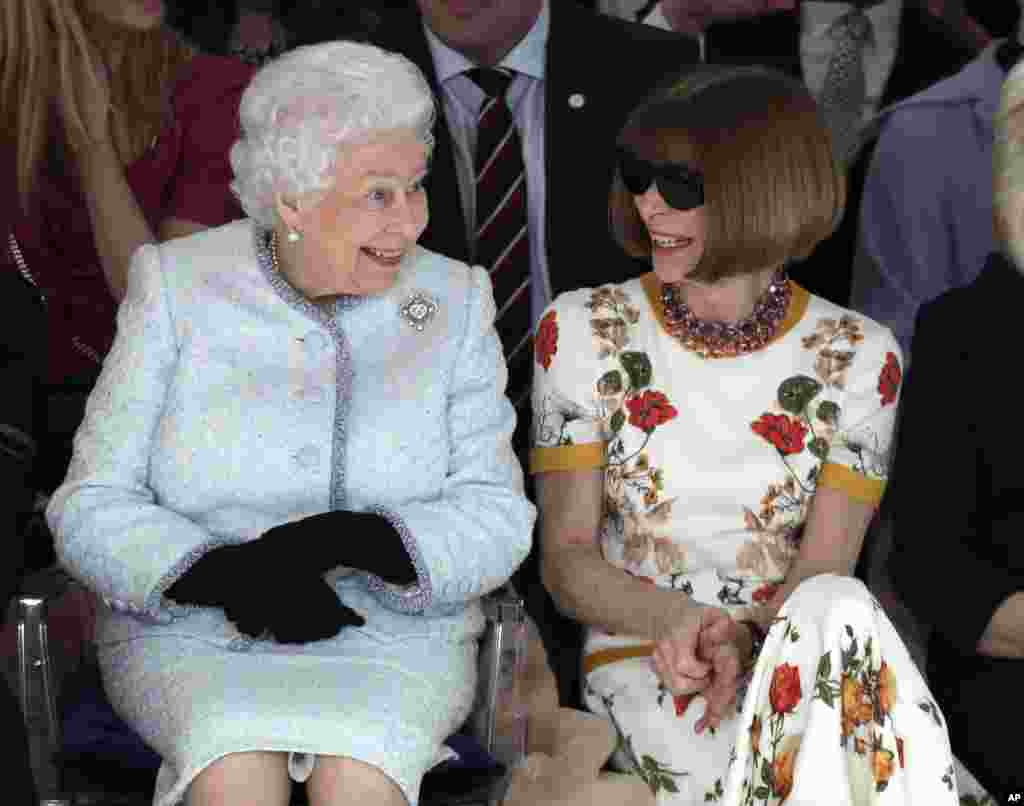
[{"x": 715, "y": 339}]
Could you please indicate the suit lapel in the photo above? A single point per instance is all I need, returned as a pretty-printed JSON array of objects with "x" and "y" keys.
[{"x": 577, "y": 100}]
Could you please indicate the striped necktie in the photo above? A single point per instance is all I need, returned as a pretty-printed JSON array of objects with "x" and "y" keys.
[
  {"x": 845, "y": 89},
  {"x": 502, "y": 243}
]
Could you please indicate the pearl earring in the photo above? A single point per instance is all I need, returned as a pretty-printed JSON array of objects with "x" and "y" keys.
[{"x": 294, "y": 236}]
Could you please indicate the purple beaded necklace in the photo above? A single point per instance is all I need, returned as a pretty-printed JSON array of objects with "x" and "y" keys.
[{"x": 715, "y": 339}]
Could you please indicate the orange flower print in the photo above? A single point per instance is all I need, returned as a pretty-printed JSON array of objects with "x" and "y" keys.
[
  {"x": 682, "y": 702},
  {"x": 860, "y": 747},
  {"x": 785, "y": 433},
  {"x": 881, "y": 764},
  {"x": 650, "y": 410},
  {"x": 889, "y": 379},
  {"x": 856, "y": 707},
  {"x": 784, "y": 692},
  {"x": 886, "y": 688},
  {"x": 783, "y": 767},
  {"x": 755, "y": 735},
  {"x": 546, "y": 341}
]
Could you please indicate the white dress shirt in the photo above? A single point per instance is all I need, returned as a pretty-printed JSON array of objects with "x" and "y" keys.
[
  {"x": 462, "y": 99},
  {"x": 816, "y": 46}
]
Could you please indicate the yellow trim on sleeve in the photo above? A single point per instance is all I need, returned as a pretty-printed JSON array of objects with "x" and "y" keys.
[
  {"x": 588, "y": 456},
  {"x": 595, "y": 660},
  {"x": 858, "y": 487}
]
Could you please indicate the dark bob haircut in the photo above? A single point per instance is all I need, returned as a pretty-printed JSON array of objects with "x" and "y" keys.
[{"x": 772, "y": 188}]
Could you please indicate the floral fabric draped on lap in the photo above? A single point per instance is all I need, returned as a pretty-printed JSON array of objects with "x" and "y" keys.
[{"x": 710, "y": 469}]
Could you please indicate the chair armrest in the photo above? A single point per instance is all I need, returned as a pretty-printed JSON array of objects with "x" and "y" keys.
[{"x": 498, "y": 721}]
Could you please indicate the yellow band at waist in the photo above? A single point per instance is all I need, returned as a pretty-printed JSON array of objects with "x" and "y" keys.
[{"x": 595, "y": 660}]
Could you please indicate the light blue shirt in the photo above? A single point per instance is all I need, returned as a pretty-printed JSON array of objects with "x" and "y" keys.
[{"x": 462, "y": 100}]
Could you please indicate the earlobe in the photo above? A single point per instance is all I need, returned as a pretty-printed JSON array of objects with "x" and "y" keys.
[{"x": 288, "y": 212}]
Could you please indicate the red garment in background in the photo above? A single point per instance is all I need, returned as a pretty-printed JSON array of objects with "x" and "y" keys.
[{"x": 184, "y": 174}]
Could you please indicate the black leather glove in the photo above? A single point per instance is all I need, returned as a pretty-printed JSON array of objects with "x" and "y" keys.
[
  {"x": 294, "y": 610},
  {"x": 363, "y": 540},
  {"x": 213, "y": 580},
  {"x": 293, "y": 607}
]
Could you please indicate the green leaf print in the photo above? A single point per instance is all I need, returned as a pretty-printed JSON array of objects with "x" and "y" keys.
[
  {"x": 618, "y": 420},
  {"x": 638, "y": 367},
  {"x": 828, "y": 412},
  {"x": 825, "y": 665},
  {"x": 819, "y": 447},
  {"x": 796, "y": 392},
  {"x": 762, "y": 793},
  {"x": 610, "y": 383}
]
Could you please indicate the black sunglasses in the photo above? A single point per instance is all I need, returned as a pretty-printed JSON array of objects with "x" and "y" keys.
[{"x": 680, "y": 185}]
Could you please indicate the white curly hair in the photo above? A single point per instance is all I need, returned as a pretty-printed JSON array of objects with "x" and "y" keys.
[
  {"x": 300, "y": 107},
  {"x": 1008, "y": 166}
]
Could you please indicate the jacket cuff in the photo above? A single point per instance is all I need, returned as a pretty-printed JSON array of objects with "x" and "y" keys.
[{"x": 413, "y": 598}]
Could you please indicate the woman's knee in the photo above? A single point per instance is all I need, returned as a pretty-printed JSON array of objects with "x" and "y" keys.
[
  {"x": 338, "y": 780},
  {"x": 243, "y": 778}
]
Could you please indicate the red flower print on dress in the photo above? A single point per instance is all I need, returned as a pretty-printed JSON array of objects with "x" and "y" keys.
[
  {"x": 682, "y": 702},
  {"x": 546, "y": 342},
  {"x": 889, "y": 379},
  {"x": 764, "y": 593},
  {"x": 785, "y": 692},
  {"x": 650, "y": 410},
  {"x": 785, "y": 433}
]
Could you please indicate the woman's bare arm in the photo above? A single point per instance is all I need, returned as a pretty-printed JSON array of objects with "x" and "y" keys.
[
  {"x": 833, "y": 537},
  {"x": 584, "y": 585}
]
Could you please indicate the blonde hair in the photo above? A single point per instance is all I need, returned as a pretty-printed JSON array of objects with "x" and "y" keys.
[
  {"x": 50, "y": 46},
  {"x": 1008, "y": 167}
]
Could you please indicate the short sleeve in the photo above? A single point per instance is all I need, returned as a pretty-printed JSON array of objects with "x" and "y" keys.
[
  {"x": 206, "y": 103},
  {"x": 859, "y": 454},
  {"x": 568, "y": 430}
]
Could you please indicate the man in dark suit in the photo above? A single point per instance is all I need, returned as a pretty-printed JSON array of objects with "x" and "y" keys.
[
  {"x": 909, "y": 50},
  {"x": 575, "y": 75}
]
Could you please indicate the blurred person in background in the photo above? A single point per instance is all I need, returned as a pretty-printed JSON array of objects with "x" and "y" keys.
[{"x": 118, "y": 136}]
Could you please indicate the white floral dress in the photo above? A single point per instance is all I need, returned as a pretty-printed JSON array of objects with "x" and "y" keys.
[{"x": 710, "y": 468}]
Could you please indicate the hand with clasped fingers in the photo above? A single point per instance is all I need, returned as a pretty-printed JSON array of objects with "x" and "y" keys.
[{"x": 706, "y": 653}]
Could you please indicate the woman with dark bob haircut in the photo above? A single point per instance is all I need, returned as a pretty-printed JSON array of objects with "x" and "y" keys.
[{"x": 710, "y": 444}]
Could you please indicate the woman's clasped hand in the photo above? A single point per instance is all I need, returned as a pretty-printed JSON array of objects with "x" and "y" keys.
[{"x": 704, "y": 654}]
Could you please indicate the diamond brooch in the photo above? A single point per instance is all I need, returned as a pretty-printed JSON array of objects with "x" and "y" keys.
[{"x": 418, "y": 310}]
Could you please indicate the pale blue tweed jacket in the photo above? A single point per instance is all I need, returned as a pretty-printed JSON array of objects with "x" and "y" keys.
[{"x": 229, "y": 405}]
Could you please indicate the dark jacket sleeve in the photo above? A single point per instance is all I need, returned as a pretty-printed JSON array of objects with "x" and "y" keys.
[
  {"x": 21, "y": 360},
  {"x": 949, "y": 560}
]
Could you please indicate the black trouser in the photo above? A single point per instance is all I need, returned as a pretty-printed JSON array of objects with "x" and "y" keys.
[{"x": 981, "y": 700}]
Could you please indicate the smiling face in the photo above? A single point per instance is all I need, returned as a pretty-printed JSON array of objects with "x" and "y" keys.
[
  {"x": 677, "y": 236},
  {"x": 482, "y": 30},
  {"x": 356, "y": 236},
  {"x": 141, "y": 15}
]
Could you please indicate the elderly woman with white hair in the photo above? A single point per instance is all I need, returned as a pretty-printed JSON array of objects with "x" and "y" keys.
[
  {"x": 958, "y": 558},
  {"x": 294, "y": 480}
]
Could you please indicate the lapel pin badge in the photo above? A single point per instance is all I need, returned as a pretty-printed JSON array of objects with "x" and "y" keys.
[{"x": 577, "y": 100}]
